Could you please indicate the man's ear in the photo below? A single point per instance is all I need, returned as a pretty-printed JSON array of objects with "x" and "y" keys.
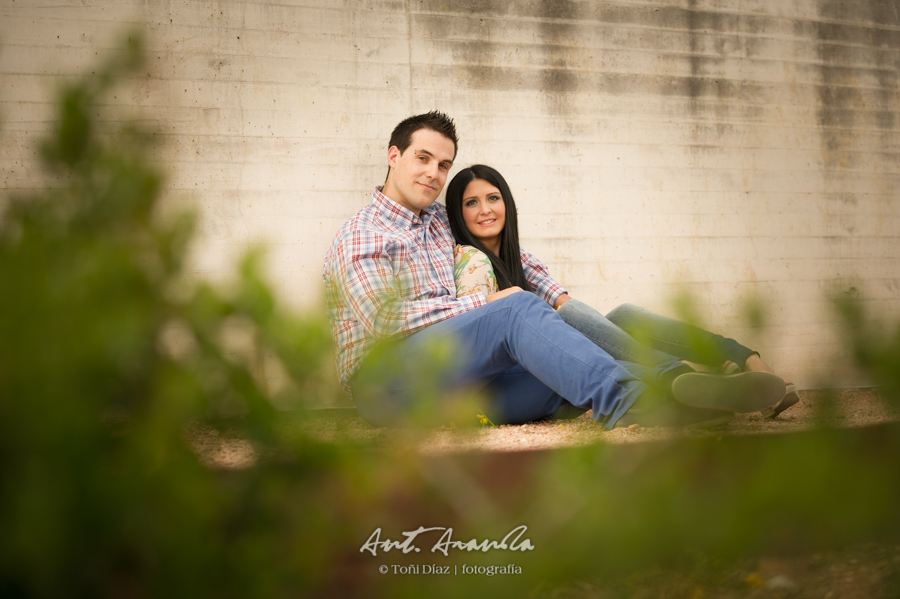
[{"x": 393, "y": 155}]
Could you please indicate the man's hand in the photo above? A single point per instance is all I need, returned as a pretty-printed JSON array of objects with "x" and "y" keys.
[
  {"x": 563, "y": 298},
  {"x": 501, "y": 294}
]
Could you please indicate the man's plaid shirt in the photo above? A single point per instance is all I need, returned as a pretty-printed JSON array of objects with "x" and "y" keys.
[{"x": 389, "y": 273}]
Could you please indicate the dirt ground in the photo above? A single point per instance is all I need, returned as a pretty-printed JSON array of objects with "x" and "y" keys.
[
  {"x": 843, "y": 408},
  {"x": 858, "y": 572}
]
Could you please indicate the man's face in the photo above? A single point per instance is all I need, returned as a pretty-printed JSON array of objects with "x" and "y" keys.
[{"x": 418, "y": 175}]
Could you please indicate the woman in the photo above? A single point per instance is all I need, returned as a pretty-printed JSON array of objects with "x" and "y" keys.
[{"x": 484, "y": 222}]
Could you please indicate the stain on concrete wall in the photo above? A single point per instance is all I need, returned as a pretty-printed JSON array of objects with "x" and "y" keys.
[{"x": 859, "y": 67}]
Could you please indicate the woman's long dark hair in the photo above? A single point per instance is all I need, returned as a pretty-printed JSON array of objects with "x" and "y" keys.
[{"x": 508, "y": 265}]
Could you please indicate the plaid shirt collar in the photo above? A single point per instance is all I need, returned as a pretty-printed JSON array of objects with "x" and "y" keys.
[{"x": 401, "y": 217}]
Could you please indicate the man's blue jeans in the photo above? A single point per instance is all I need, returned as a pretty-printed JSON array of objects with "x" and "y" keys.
[
  {"x": 531, "y": 362},
  {"x": 637, "y": 335}
]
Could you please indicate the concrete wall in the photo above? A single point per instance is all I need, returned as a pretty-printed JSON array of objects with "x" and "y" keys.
[{"x": 745, "y": 148}]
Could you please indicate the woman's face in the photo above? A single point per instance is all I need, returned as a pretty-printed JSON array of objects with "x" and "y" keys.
[{"x": 484, "y": 212}]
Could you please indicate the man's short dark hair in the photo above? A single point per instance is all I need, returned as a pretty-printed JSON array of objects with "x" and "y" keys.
[{"x": 434, "y": 120}]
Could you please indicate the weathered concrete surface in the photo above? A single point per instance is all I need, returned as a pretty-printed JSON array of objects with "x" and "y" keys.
[{"x": 747, "y": 148}]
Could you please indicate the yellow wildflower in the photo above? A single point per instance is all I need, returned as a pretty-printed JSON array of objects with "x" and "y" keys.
[
  {"x": 484, "y": 420},
  {"x": 754, "y": 580}
]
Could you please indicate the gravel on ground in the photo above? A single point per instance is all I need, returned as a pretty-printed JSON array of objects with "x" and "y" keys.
[{"x": 221, "y": 447}]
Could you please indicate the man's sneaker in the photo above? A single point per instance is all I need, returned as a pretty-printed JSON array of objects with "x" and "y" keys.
[
  {"x": 743, "y": 392},
  {"x": 676, "y": 415}
]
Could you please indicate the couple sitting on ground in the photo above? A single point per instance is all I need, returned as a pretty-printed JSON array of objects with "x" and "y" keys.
[{"x": 400, "y": 270}]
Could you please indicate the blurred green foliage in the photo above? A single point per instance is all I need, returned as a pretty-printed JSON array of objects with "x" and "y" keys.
[
  {"x": 100, "y": 495},
  {"x": 875, "y": 343}
]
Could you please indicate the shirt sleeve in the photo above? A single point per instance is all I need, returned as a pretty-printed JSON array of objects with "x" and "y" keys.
[
  {"x": 365, "y": 270},
  {"x": 539, "y": 278}
]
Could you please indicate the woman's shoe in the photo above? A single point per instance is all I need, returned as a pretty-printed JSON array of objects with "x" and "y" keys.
[
  {"x": 729, "y": 367},
  {"x": 791, "y": 396}
]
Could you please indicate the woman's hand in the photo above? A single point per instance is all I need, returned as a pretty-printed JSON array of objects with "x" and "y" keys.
[{"x": 501, "y": 294}]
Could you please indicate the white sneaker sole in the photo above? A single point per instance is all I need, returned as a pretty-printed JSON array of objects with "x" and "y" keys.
[{"x": 743, "y": 392}]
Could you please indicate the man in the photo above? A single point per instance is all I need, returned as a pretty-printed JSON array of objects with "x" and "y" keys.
[{"x": 389, "y": 276}]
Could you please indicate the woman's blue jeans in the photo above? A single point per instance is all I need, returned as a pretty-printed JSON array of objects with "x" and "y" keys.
[{"x": 633, "y": 334}]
